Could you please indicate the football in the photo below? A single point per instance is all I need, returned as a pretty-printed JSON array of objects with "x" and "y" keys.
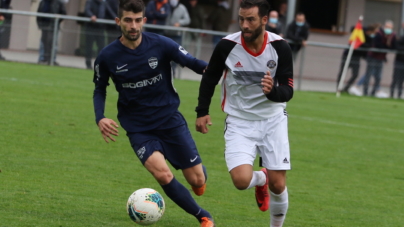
[{"x": 145, "y": 206}]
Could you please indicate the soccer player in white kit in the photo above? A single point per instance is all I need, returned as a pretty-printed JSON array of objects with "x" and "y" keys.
[{"x": 257, "y": 70}]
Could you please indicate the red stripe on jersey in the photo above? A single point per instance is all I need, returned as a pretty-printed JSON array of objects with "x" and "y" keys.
[
  {"x": 224, "y": 90},
  {"x": 264, "y": 44}
]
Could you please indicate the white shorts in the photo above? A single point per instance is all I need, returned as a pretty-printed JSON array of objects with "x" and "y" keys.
[{"x": 269, "y": 138}]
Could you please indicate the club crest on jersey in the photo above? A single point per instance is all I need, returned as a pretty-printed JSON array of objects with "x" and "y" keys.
[
  {"x": 153, "y": 62},
  {"x": 182, "y": 49},
  {"x": 271, "y": 64}
]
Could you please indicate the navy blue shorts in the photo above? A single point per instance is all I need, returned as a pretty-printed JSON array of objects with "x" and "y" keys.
[{"x": 176, "y": 144}]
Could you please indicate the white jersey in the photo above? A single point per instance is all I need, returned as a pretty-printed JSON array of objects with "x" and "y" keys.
[{"x": 242, "y": 71}]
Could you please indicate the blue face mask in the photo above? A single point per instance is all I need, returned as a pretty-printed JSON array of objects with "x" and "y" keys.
[
  {"x": 299, "y": 24},
  {"x": 388, "y": 31},
  {"x": 273, "y": 20}
]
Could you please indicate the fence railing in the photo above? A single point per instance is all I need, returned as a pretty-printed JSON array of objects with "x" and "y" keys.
[{"x": 198, "y": 44}]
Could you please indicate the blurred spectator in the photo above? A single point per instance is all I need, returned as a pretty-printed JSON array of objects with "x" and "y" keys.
[
  {"x": 178, "y": 17},
  {"x": 41, "y": 50},
  {"x": 219, "y": 18},
  {"x": 157, "y": 12},
  {"x": 46, "y": 25},
  {"x": 354, "y": 64},
  {"x": 94, "y": 9},
  {"x": 197, "y": 16},
  {"x": 298, "y": 32},
  {"x": 398, "y": 73},
  {"x": 113, "y": 30},
  {"x": 385, "y": 39},
  {"x": 274, "y": 25},
  {"x": 283, "y": 8},
  {"x": 4, "y": 4}
]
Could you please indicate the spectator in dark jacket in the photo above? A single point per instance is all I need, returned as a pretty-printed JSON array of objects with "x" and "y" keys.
[
  {"x": 398, "y": 73},
  {"x": 47, "y": 25},
  {"x": 4, "y": 4},
  {"x": 298, "y": 33},
  {"x": 157, "y": 12},
  {"x": 354, "y": 64},
  {"x": 274, "y": 25},
  {"x": 197, "y": 16},
  {"x": 113, "y": 31},
  {"x": 385, "y": 39},
  {"x": 94, "y": 9},
  {"x": 219, "y": 19}
]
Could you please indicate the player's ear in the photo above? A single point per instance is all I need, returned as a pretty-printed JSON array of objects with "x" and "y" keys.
[
  {"x": 117, "y": 21},
  {"x": 144, "y": 20},
  {"x": 264, "y": 20}
]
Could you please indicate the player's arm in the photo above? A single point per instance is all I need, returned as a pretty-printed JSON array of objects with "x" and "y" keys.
[
  {"x": 209, "y": 81},
  {"x": 282, "y": 86},
  {"x": 108, "y": 127}
]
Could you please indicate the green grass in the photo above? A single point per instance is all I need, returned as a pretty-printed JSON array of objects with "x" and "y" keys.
[{"x": 56, "y": 170}]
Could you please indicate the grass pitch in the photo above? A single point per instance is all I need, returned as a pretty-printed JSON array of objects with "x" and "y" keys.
[{"x": 56, "y": 170}]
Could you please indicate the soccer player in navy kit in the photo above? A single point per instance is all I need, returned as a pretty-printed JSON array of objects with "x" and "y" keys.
[
  {"x": 257, "y": 70},
  {"x": 139, "y": 65}
]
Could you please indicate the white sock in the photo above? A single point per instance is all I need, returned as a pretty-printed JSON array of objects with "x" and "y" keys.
[
  {"x": 278, "y": 208},
  {"x": 258, "y": 179}
]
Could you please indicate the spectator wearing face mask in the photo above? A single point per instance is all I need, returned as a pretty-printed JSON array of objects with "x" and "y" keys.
[
  {"x": 157, "y": 12},
  {"x": 179, "y": 17},
  {"x": 385, "y": 39},
  {"x": 274, "y": 25},
  {"x": 298, "y": 33}
]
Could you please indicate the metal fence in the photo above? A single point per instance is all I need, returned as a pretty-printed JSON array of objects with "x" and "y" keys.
[{"x": 317, "y": 62}]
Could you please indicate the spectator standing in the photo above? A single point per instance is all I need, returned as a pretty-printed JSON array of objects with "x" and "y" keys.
[
  {"x": 94, "y": 9},
  {"x": 4, "y": 4},
  {"x": 112, "y": 30},
  {"x": 354, "y": 64},
  {"x": 197, "y": 16},
  {"x": 178, "y": 17},
  {"x": 385, "y": 39},
  {"x": 398, "y": 73},
  {"x": 219, "y": 19},
  {"x": 274, "y": 25},
  {"x": 157, "y": 12},
  {"x": 298, "y": 32},
  {"x": 283, "y": 8},
  {"x": 46, "y": 25}
]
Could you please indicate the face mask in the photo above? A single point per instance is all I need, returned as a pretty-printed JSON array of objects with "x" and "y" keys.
[
  {"x": 372, "y": 35},
  {"x": 299, "y": 24},
  {"x": 273, "y": 20},
  {"x": 388, "y": 31},
  {"x": 173, "y": 3}
]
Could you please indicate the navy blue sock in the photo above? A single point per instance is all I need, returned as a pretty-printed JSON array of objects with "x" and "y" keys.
[{"x": 182, "y": 197}]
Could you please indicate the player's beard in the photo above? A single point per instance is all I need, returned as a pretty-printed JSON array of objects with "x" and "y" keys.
[
  {"x": 254, "y": 34},
  {"x": 131, "y": 37}
]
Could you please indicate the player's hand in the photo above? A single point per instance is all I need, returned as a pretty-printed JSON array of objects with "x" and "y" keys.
[
  {"x": 108, "y": 127},
  {"x": 267, "y": 83},
  {"x": 201, "y": 123}
]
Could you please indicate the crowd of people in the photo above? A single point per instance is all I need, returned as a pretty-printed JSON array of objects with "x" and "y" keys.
[{"x": 380, "y": 37}]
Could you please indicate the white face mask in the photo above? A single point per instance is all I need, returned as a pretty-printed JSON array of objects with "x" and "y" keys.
[{"x": 173, "y": 3}]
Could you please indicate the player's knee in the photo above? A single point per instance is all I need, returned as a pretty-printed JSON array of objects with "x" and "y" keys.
[
  {"x": 163, "y": 176},
  {"x": 241, "y": 184},
  {"x": 277, "y": 187}
]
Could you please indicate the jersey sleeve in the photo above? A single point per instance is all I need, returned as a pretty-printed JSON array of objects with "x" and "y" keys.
[
  {"x": 101, "y": 78},
  {"x": 282, "y": 90},
  {"x": 178, "y": 54},
  {"x": 212, "y": 75}
]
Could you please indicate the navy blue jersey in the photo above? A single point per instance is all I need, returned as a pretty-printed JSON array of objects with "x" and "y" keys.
[{"x": 143, "y": 79}]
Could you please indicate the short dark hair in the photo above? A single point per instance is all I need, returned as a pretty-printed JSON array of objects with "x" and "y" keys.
[
  {"x": 135, "y": 6},
  {"x": 263, "y": 6}
]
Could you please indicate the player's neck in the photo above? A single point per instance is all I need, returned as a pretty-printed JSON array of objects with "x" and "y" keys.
[
  {"x": 256, "y": 45},
  {"x": 131, "y": 44}
]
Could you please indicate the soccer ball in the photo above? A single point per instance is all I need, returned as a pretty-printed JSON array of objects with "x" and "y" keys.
[{"x": 145, "y": 206}]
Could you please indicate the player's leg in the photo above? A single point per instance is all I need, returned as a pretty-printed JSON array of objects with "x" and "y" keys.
[
  {"x": 274, "y": 149},
  {"x": 240, "y": 153},
  {"x": 196, "y": 176}
]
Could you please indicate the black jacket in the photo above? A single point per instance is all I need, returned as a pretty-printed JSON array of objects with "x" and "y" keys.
[
  {"x": 5, "y": 4},
  {"x": 96, "y": 8},
  {"x": 297, "y": 34},
  {"x": 55, "y": 7},
  {"x": 400, "y": 48}
]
